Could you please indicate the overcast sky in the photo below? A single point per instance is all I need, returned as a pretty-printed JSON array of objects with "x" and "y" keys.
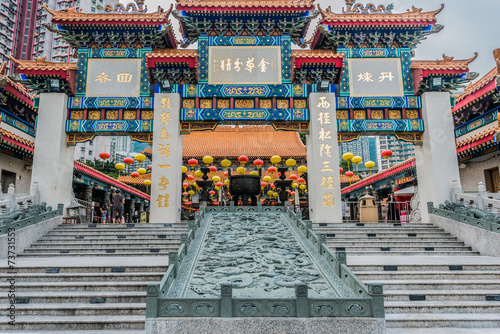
[{"x": 469, "y": 26}]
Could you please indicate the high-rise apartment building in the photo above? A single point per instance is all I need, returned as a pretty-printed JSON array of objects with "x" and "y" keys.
[
  {"x": 401, "y": 151},
  {"x": 366, "y": 148},
  {"x": 23, "y": 34}
]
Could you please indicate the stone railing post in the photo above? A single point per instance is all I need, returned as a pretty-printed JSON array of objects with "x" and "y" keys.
[
  {"x": 322, "y": 241},
  {"x": 153, "y": 292},
  {"x": 259, "y": 206},
  {"x": 231, "y": 207},
  {"x": 172, "y": 261},
  {"x": 376, "y": 292},
  {"x": 226, "y": 300},
  {"x": 60, "y": 208},
  {"x": 184, "y": 241},
  {"x": 11, "y": 196},
  {"x": 302, "y": 300},
  {"x": 341, "y": 257},
  {"x": 34, "y": 191},
  {"x": 481, "y": 195}
]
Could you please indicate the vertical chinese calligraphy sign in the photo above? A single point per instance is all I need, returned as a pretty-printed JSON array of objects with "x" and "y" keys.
[
  {"x": 167, "y": 160},
  {"x": 323, "y": 160}
]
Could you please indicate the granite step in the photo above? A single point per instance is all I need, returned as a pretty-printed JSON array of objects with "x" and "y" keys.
[
  {"x": 428, "y": 267},
  {"x": 99, "y": 243},
  {"x": 408, "y": 248},
  {"x": 82, "y": 277},
  {"x": 79, "y": 296},
  {"x": 100, "y": 248},
  {"x": 91, "y": 323},
  {"x": 405, "y": 275},
  {"x": 365, "y": 238},
  {"x": 415, "y": 253},
  {"x": 110, "y": 331},
  {"x": 439, "y": 320},
  {"x": 89, "y": 233},
  {"x": 440, "y": 295},
  {"x": 65, "y": 269},
  {"x": 408, "y": 243},
  {"x": 436, "y": 284},
  {"x": 77, "y": 286},
  {"x": 76, "y": 309},
  {"x": 136, "y": 238},
  {"x": 442, "y": 306},
  {"x": 140, "y": 253},
  {"x": 385, "y": 234},
  {"x": 378, "y": 229}
]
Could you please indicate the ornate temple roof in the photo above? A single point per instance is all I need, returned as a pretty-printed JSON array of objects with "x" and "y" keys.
[
  {"x": 252, "y": 141},
  {"x": 15, "y": 89},
  {"x": 413, "y": 17},
  {"x": 261, "y": 5},
  {"x": 41, "y": 64},
  {"x": 484, "y": 137},
  {"x": 91, "y": 172},
  {"x": 18, "y": 141},
  {"x": 447, "y": 64},
  {"x": 477, "y": 90},
  {"x": 387, "y": 173},
  {"x": 71, "y": 16},
  {"x": 173, "y": 56}
]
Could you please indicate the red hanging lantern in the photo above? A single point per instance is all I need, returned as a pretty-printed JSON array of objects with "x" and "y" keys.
[
  {"x": 263, "y": 184},
  {"x": 185, "y": 185},
  {"x": 212, "y": 169},
  {"x": 219, "y": 184},
  {"x": 185, "y": 194},
  {"x": 301, "y": 180},
  {"x": 212, "y": 192},
  {"x": 243, "y": 160},
  {"x": 272, "y": 170},
  {"x": 273, "y": 186},
  {"x": 341, "y": 170},
  {"x": 293, "y": 177},
  {"x": 150, "y": 167},
  {"x": 226, "y": 173},
  {"x": 190, "y": 177},
  {"x": 192, "y": 163},
  {"x": 258, "y": 163},
  {"x": 349, "y": 174},
  {"x": 104, "y": 156},
  {"x": 128, "y": 161},
  {"x": 386, "y": 154}
]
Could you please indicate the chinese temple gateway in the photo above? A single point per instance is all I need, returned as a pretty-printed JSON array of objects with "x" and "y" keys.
[{"x": 252, "y": 66}]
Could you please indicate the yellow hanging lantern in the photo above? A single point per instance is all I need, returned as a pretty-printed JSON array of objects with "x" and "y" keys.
[
  {"x": 267, "y": 178},
  {"x": 347, "y": 157},
  {"x": 216, "y": 178},
  {"x": 275, "y": 194},
  {"x": 295, "y": 185},
  {"x": 225, "y": 163},
  {"x": 302, "y": 169},
  {"x": 147, "y": 183},
  {"x": 370, "y": 165},
  {"x": 356, "y": 160},
  {"x": 198, "y": 173},
  {"x": 254, "y": 172},
  {"x": 241, "y": 170},
  {"x": 140, "y": 157},
  {"x": 275, "y": 159},
  {"x": 290, "y": 163},
  {"x": 191, "y": 192},
  {"x": 270, "y": 192},
  {"x": 207, "y": 160},
  {"x": 120, "y": 167},
  {"x": 217, "y": 188},
  {"x": 184, "y": 169},
  {"x": 141, "y": 171},
  {"x": 226, "y": 182},
  {"x": 302, "y": 186}
]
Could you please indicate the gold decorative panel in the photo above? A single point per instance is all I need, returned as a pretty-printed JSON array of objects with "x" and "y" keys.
[
  {"x": 266, "y": 104},
  {"x": 77, "y": 114},
  {"x": 342, "y": 114},
  {"x": 223, "y": 104},
  {"x": 377, "y": 114},
  {"x": 244, "y": 104},
  {"x": 412, "y": 114},
  {"x": 188, "y": 103},
  {"x": 112, "y": 114},
  {"x": 359, "y": 114},
  {"x": 394, "y": 114},
  {"x": 94, "y": 114},
  {"x": 283, "y": 104},
  {"x": 300, "y": 104},
  {"x": 147, "y": 114},
  {"x": 206, "y": 104},
  {"x": 129, "y": 114}
]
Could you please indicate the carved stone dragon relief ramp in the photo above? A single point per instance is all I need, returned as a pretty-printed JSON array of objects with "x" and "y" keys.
[{"x": 259, "y": 264}]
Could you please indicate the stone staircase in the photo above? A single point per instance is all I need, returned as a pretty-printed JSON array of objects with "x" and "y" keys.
[
  {"x": 94, "y": 291},
  {"x": 108, "y": 240},
  {"x": 431, "y": 280}
]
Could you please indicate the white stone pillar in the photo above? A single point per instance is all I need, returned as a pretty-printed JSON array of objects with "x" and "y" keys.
[
  {"x": 323, "y": 160},
  {"x": 167, "y": 160},
  {"x": 53, "y": 160},
  {"x": 436, "y": 159}
]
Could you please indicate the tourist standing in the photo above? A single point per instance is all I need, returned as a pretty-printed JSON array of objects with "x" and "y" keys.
[
  {"x": 118, "y": 202},
  {"x": 392, "y": 210},
  {"x": 104, "y": 213}
]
